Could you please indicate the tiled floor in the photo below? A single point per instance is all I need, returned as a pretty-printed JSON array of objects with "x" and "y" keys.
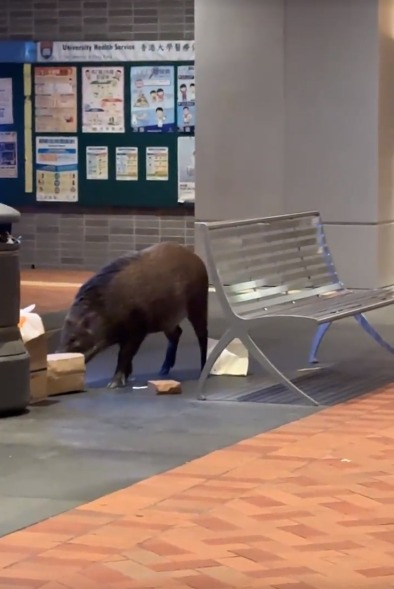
[{"x": 307, "y": 506}]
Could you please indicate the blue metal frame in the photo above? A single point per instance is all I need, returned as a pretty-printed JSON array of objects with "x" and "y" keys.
[{"x": 363, "y": 323}]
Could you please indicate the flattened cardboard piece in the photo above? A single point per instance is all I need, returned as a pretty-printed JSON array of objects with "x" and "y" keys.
[
  {"x": 164, "y": 387},
  {"x": 37, "y": 349}
]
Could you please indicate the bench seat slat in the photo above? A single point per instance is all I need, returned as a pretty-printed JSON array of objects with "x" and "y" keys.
[
  {"x": 247, "y": 285},
  {"x": 289, "y": 273},
  {"x": 315, "y": 275},
  {"x": 267, "y": 227},
  {"x": 238, "y": 251},
  {"x": 329, "y": 308},
  {"x": 289, "y": 241},
  {"x": 260, "y": 260},
  {"x": 276, "y": 239},
  {"x": 284, "y": 296},
  {"x": 262, "y": 236}
]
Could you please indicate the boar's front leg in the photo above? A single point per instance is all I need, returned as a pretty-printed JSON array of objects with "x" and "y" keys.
[{"x": 124, "y": 366}]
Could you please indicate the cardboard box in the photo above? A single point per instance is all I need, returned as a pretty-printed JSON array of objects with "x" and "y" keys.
[
  {"x": 37, "y": 349},
  {"x": 66, "y": 373},
  {"x": 165, "y": 387},
  {"x": 38, "y": 386}
]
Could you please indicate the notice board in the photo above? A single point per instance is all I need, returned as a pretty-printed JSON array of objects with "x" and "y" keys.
[{"x": 113, "y": 124}]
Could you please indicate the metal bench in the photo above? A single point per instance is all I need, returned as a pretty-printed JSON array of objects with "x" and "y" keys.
[{"x": 279, "y": 267}]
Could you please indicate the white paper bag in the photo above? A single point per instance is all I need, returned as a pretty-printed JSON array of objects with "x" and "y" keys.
[
  {"x": 233, "y": 361},
  {"x": 30, "y": 324}
]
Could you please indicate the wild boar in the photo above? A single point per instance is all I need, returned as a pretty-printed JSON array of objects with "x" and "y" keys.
[{"x": 150, "y": 291}]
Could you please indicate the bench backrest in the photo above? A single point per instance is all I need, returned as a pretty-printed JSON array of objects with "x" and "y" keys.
[{"x": 258, "y": 263}]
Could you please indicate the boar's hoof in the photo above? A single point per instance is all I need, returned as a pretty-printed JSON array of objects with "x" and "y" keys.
[
  {"x": 164, "y": 370},
  {"x": 118, "y": 382}
]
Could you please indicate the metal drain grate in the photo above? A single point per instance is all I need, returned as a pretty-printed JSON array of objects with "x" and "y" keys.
[{"x": 328, "y": 387}]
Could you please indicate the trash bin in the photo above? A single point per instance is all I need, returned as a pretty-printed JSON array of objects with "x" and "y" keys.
[{"x": 14, "y": 359}]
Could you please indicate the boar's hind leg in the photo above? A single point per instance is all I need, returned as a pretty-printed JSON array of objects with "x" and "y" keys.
[
  {"x": 197, "y": 316},
  {"x": 124, "y": 366},
  {"x": 173, "y": 341}
]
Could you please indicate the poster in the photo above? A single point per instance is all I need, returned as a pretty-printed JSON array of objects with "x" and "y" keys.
[
  {"x": 8, "y": 155},
  {"x": 97, "y": 162},
  {"x": 6, "y": 110},
  {"x": 127, "y": 163},
  {"x": 93, "y": 51},
  {"x": 57, "y": 169},
  {"x": 157, "y": 163},
  {"x": 55, "y": 91},
  {"x": 152, "y": 98},
  {"x": 186, "y": 169},
  {"x": 186, "y": 101},
  {"x": 103, "y": 100}
]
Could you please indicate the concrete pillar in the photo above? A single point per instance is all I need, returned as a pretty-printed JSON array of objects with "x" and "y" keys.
[{"x": 295, "y": 112}]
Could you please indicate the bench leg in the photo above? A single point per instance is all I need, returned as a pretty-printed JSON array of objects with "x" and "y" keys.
[
  {"x": 222, "y": 344},
  {"x": 265, "y": 363},
  {"x": 317, "y": 340},
  {"x": 370, "y": 330}
]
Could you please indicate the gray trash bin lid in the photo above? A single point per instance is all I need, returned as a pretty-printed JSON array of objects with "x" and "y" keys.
[{"x": 8, "y": 215}]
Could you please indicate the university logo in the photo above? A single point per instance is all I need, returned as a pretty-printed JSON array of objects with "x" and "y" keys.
[{"x": 46, "y": 49}]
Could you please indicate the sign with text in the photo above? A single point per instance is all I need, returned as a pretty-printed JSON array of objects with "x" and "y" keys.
[{"x": 81, "y": 51}]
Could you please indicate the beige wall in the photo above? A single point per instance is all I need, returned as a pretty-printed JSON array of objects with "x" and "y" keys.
[
  {"x": 332, "y": 95},
  {"x": 323, "y": 78},
  {"x": 332, "y": 105}
]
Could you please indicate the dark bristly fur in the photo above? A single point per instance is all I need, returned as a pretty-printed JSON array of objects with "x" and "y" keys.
[{"x": 137, "y": 294}]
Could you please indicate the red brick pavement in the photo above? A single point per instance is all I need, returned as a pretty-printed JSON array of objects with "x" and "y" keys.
[
  {"x": 50, "y": 290},
  {"x": 307, "y": 506}
]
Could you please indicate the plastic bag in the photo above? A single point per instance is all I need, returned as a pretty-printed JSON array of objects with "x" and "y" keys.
[
  {"x": 233, "y": 361},
  {"x": 30, "y": 324}
]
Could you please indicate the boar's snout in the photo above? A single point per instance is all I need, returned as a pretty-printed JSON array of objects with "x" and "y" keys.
[
  {"x": 70, "y": 342},
  {"x": 78, "y": 336},
  {"x": 75, "y": 337}
]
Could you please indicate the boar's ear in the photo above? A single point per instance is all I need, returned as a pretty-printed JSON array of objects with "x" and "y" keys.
[{"x": 88, "y": 322}]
